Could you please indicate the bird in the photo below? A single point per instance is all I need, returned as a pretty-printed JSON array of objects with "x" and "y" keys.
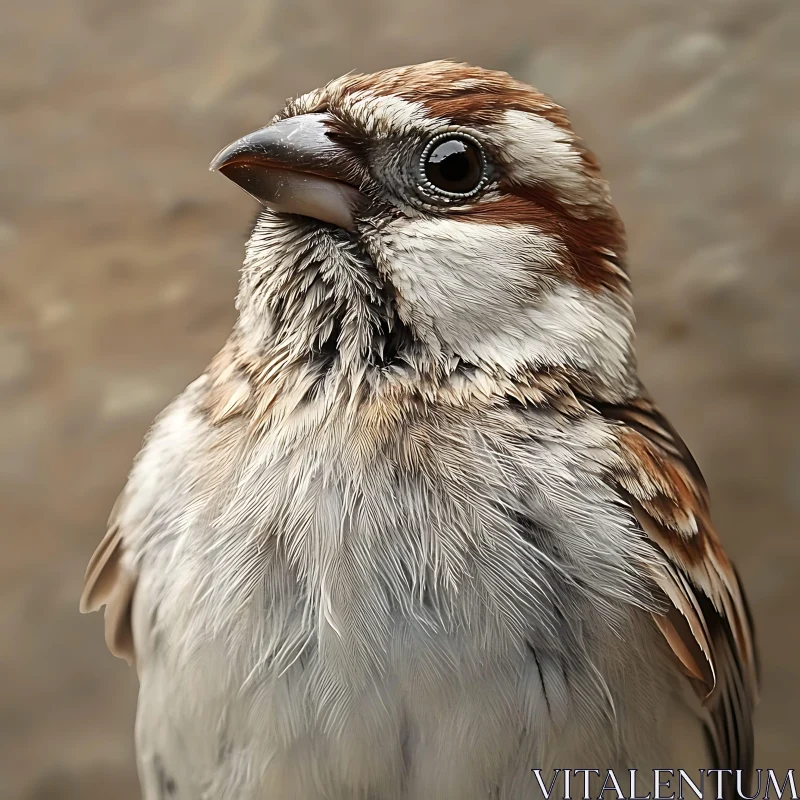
[{"x": 419, "y": 530}]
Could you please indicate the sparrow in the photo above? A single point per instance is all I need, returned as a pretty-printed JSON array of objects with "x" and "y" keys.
[{"x": 419, "y": 529}]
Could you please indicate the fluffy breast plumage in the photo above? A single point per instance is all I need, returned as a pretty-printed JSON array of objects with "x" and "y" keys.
[{"x": 364, "y": 604}]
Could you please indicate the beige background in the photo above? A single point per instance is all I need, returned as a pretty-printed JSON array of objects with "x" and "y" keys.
[{"x": 119, "y": 254}]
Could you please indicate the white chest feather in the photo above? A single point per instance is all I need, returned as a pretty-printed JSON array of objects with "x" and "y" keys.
[{"x": 427, "y": 613}]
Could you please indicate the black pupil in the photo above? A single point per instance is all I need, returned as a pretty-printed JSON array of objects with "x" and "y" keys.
[{"x": 454, "y": 165}]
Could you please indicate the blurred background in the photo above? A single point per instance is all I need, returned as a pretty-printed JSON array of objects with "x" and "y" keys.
[{"x": 119, "y": 254}]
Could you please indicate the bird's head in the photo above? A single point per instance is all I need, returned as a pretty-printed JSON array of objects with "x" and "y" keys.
[{"x": 434, "y": 220}]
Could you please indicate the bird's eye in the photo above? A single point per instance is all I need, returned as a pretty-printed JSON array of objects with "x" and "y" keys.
[{"x": 453, "y": 166}]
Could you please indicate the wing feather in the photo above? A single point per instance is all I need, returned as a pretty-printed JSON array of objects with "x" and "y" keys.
[
  {"x": 109, "y": 582},
  {"x": 708, "y": 626}
]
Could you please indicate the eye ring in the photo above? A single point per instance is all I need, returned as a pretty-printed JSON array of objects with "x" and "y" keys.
[{"x": 452, "y": 167}]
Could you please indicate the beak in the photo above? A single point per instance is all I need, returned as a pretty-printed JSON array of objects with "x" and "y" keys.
[{"x": 293, "y": 166}]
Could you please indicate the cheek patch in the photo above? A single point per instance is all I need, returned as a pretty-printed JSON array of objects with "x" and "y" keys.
[
  {"x": 446, "y": 268},
  {"x": 492, "y": 295}
]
